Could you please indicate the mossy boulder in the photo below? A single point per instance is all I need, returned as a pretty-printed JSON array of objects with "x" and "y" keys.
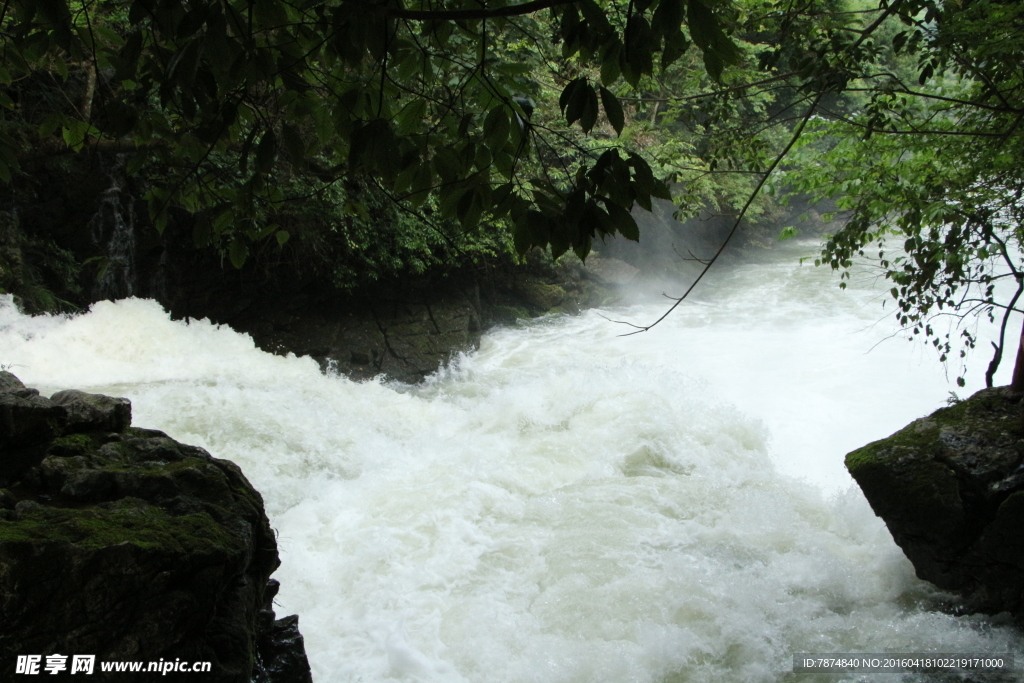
[
  {"x": 123, "y": 543},
  {"x": 950, "y": 488},
  {"x": 94, "y": 412},
  {"x": 540, "y": 296}
]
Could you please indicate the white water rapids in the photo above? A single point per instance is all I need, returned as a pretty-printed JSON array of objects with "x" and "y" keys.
[{"x": 566, "y": 505}]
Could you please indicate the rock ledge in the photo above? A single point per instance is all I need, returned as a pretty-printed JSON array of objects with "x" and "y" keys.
[
  {"x": 122, "y": 543},
  {"x": 950, "y": 487}
]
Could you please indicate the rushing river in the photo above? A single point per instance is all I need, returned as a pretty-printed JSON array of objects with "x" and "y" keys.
[{"x": 566, "y": 504}]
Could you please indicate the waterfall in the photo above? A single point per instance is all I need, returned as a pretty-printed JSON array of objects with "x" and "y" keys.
[{"x": 112, "y": 228}]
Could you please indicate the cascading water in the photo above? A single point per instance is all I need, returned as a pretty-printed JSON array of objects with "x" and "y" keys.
[
  {"x": 566, "y": 504},
  {"x": 112, "y": 228}
]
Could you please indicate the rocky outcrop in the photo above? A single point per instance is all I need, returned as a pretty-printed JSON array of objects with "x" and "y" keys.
[
  {"x": 950, "y": 487},
  {"x": 122, "y": 543},
  {"x": 404, "y": 331}
]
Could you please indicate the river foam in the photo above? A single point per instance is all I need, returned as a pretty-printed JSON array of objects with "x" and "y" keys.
[{"x": 556, "y": 508}]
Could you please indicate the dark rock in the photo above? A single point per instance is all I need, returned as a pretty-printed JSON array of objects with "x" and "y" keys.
[
  {"x": 282, "y": 651},
  {"x": 950, "y": 489},
  {"x": 283, "y": 654},
  {"x": 540, "y": 296},
  {"x": 131, "y": 546},
  {"x": 9, "y": 383},
  {"x": 27, "y": 424},
  {"x": 27, "y": 421},
  {"x": 94, "y": 412}
]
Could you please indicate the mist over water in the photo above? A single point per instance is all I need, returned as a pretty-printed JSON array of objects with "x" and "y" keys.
[{"x": 566, "y": 504}]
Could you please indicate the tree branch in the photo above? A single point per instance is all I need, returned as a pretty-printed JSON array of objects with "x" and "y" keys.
[
  {"x": 750, "y": 200},
  {"x": 479, "y": 13}
]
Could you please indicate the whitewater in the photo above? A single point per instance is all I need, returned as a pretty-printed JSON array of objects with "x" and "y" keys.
[{"x": 565, "y": 504}]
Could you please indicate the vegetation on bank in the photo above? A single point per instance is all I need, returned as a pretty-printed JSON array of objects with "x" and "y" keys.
[
  {"x": 927, "y": 171},
  {"x": 347, "y": 161},
  {"x": 371, "y": 140}
]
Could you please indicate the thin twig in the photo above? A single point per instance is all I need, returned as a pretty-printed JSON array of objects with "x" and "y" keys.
[{"x": 736, "y": 225}]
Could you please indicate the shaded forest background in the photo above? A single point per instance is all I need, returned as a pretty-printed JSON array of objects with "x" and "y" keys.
[{"x": 221, "y": 154}]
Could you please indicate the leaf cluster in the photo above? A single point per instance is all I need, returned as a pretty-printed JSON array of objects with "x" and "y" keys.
[
  {"x": 223, "y": 102},
  {"x": 928, "y": 173}
]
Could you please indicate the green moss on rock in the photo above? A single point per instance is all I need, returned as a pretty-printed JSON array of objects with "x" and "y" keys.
[
  {"x": 73, "y": 444},
  {"x": 128, "y": 544},
  {"x": 946, "y": 486},
  {"x": 127, "y": 521}
]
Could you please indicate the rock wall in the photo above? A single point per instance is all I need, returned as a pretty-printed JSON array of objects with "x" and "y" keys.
[
  {"x": 122, "y": 543},
  {"x": 950, "y": 487}
]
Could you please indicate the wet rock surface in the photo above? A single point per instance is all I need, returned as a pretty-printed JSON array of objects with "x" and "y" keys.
[
  {"x": 122, "y": 543},
  {"x": 950, "y": 488},
  {"x": 403, "y": 331},
  {"x": 281, "y": 650}
]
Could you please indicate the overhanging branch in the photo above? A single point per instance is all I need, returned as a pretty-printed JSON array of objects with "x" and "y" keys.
[{"x": 750, "y": 200}]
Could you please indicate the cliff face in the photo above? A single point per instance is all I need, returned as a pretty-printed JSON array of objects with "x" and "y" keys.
[
  {"x": 950, "y": 487},
  {"x": 122, "y": 543}
]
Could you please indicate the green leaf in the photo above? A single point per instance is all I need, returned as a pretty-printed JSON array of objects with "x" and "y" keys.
[
  {"x": 52, "y": 122},
  {"x": 623, "y": 221},
  {"x": 611, "y": 63},
  {"x": 76, "y": 132},
  {"x": 135, "y": 164},
  {"x": 713, "y": 64},
  {"x": 447, "y": 164},
  {"x": 588, "y": 117},
  {"x": 570, "y": 102},
  {"x": 707, "y": 34},
  {"x": 613, "y": 110},
  {"x": 238, "y": 252},
  {"x": 639, "y": 47},
  {"x": 643, "y": 176},
  {"x": 661, "y": 190},
  {"x": 899, "y": 40},
  {"x": 702, "y": 24},
  {"x": 422, "y": 183},
  {"x": 374, "y": 147},
  {"x": 411, "y": 117},
  {"x": 469, "y": 208},
  {"x": 282, "y": 237},
  {"x": 60, "y": 66},
  {"x": 595, "y": 17},
  {"x": 788, "y": 232},
  {"x": 668, "y": 17},
  {"x": 497, "y": 126},
  {"x": 676, "y": 46},
  {"x": 482, "y": 162},
  {"x": 533, "y": 229}
]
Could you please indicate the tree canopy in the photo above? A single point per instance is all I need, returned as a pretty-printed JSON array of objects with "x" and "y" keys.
[
  {"x": 429, "y": 101},
  {"x": 928, "y": 171},
  {"x": 551, "y": 118}
]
